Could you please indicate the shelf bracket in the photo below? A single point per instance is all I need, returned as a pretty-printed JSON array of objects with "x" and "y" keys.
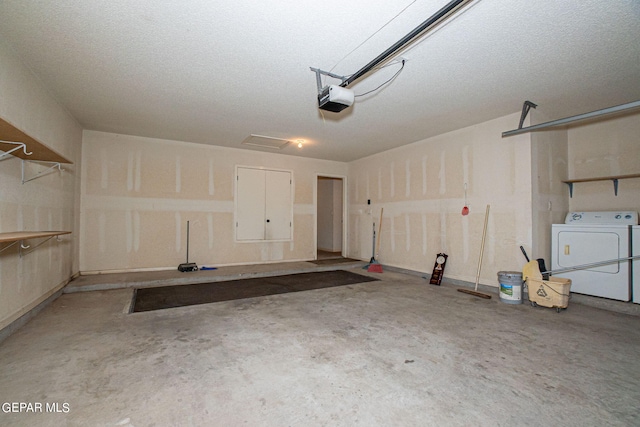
[
  {"x": 53, "y": 166},
  {"x": 22, "y": 247},
  {"x": 8, "y": 246},
  {"x": 570, "y": 184},
  {"x": 19, "y": 145},
  {"x": 615, "y": 187}
]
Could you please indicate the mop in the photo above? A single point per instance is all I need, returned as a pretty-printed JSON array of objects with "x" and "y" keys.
[
  {"x": 484, "y": 235},
  {"x": 375, "y": 266}
]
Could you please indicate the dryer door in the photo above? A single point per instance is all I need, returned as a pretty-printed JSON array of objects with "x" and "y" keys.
[
  {"x": 585, "y": 245},
  {"x": 582, "y": 247}
]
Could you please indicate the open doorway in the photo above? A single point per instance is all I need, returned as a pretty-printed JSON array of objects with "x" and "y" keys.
[{"x": 330, "y": 217}]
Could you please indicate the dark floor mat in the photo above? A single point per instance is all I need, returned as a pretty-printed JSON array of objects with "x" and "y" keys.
[
  {"x": 147, "y": 299},
  {"x": 331, "y": 261}
]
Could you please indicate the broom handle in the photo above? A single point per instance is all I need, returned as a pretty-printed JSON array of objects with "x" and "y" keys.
[
  {"x": 484, "y": 235},
  {"x": 379, "y": 234},
  {"x": 373, "y": 244}
]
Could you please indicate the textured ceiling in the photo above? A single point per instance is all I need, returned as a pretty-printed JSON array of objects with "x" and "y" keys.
[{"x": 216, "y": 71}]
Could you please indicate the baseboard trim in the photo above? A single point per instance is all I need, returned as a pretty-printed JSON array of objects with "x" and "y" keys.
[
  {"x": 23, "y": 319},
  {"x": 152, "y": 269}
]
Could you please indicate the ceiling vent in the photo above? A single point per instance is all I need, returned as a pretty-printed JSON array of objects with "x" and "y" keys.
[{"x": 266, "y": 142}]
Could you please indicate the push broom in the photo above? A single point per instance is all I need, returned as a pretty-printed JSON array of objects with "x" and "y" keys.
[
  {"x": 373, "y": 249},
  {"x": 375, "y": 266},
  {"x": 484, "y": 236}
]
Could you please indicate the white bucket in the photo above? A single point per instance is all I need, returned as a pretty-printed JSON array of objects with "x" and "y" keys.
[{"x": 510, "y": 286}]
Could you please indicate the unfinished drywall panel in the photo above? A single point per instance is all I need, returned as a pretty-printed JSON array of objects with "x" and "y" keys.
[
  {"x": 138, "y": 194},
  {"x": 421, "y": 188},
  {"x": 606, "y": 147},
  {"x": 549, "y": 167},
  {"x": 46, "y": 203}
]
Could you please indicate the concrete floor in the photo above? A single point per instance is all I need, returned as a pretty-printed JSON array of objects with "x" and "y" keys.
[{"x": 394, "y": 352}]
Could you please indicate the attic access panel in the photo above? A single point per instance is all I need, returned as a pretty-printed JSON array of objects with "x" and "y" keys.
[{"x": 266, "y": 142}]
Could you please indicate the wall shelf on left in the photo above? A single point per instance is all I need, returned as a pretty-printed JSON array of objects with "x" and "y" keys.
[
  {"x": 15, "y": 237},
  {"x": 17, "y": 143}
]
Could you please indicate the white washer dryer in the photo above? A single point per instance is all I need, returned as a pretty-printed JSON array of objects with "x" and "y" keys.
[
  {"x": 635, "y": 266},
  {"x": 591, "y": 237}
]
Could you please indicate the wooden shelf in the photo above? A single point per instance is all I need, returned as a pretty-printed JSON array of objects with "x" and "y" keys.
[
  {"x": 614, "y": 178},
  {"x": 16, "y": 236},
  {"x": 40, "y": 152}
]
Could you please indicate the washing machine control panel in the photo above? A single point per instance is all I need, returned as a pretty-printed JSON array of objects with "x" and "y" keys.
[{"x": 606, "y": 217}]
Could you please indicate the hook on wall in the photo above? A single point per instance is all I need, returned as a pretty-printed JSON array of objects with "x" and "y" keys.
[{"x": 465, "y": 209}]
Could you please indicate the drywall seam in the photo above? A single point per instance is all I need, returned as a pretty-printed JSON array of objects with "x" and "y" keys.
[
  {"x": 445, "y": 206},
  {"x": 358, "y": 187},
  {"x": 407, "y": 176},
  {"x": 392, "y": 179},
  {"x": 138, "y": 171},
  {"x": 178, "y": 175},
  {"x": 443, "y": 231},
  {"x": 407, "y": 226},
  {"x": 210, "y": 229},
  {"x": 465, "y": 238},
  {"x": 368, "y": 187},
  {"x": 212, "y": 188},
  {"x": 424, "y": 234},
  {"x": 424, "y": 175},
  {"x": 392, "y": 227},
  {"x": 465, "y": 164},
  {"x": 121, "y": 203},
  {"x": 178, "y": 219},
  {"x": 104, "y": 172},
  {"x": 129, "y": 231},
  {"x": 442, "y": 174},
  {"x": 102, "y": 232},
  {"x": 130, "y": 166},
  {"x": 136, "y": 231}
]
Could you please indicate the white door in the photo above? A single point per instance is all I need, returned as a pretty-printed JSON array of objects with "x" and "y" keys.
[
  {"x": 250, "y": 212},
  {"x": 264, "y": 204},
  {"x": 278, "y": 205}
]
